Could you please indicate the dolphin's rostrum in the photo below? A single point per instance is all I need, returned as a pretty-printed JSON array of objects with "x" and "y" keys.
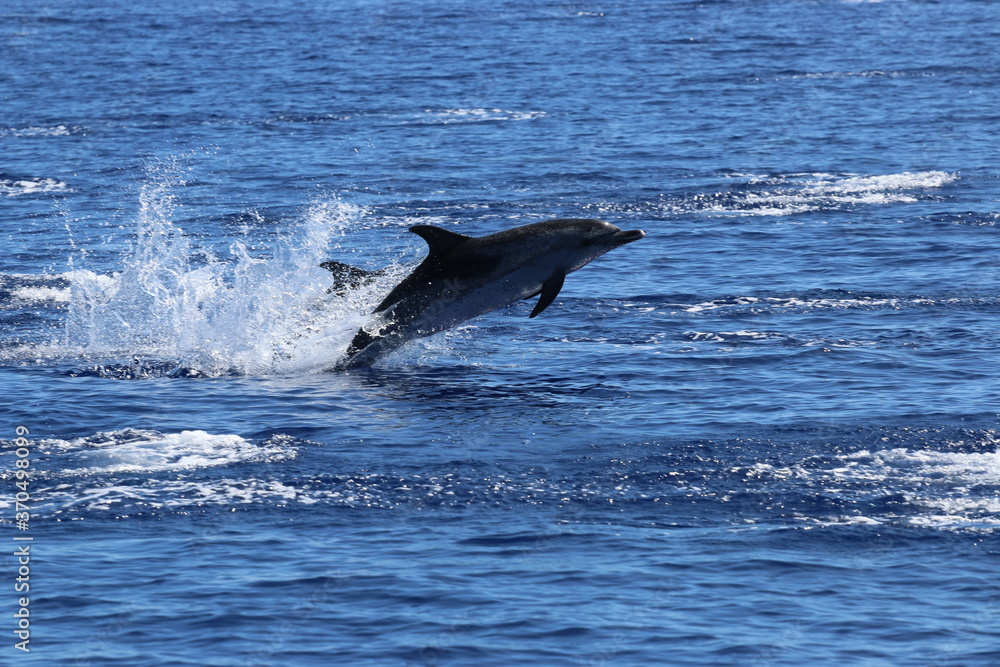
[{"x": 463, "y": 277}]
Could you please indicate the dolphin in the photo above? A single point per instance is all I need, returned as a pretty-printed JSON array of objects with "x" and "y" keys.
[{"x": 463, "y": 277}]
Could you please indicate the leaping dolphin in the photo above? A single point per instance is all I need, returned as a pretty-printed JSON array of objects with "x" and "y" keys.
[{"x": 463, "y": 277}]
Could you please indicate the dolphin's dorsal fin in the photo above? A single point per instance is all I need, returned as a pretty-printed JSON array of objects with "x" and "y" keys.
[
  {"x": 550, "y": 290},
  {"x": 439, "y": 240}
]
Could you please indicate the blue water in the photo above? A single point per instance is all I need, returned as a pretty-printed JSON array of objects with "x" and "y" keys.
[{"x": 766, "y": 434}]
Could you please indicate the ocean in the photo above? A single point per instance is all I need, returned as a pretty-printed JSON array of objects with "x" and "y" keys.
[{"x": 766, "y": 434}]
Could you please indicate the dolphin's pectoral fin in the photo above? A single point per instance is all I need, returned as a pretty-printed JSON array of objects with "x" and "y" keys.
[
  {"x": 549, "y": 292},
  {"x": 347, "y": 278},
  {"x": 439, "y": 240}
]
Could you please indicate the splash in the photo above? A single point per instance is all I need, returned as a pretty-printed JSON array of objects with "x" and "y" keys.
[{"x": 175, "y": 304}]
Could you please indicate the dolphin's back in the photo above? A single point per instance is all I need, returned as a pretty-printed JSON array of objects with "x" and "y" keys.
[{"x": 453, "y": 260}]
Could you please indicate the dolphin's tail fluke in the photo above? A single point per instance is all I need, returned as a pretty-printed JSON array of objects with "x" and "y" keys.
[{"x": 347, "y": 278}]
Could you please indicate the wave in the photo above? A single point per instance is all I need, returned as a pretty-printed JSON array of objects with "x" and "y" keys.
[
  {"x": 802, "y": 193},
  {"x": 41, "y": 295},
  {"x": 906, "y": 73},
  {"x": 790, "y": 194},
  {"x": 826, "y": 300},
  {"x": 738, "y": 338},
  {"x": 445, "y": 116},
  {"x": 23, "y": 290},
  {"x": 41, "y": 131},
  {"x": 453, "y": 116}
]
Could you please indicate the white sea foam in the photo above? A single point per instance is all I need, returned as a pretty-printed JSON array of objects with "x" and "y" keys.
[
  {"x": 88, "y": 472},
  {"x": 43, "y": 131},
  {"x": 801, "y": 193},
  {"x": 35, "y": 277},
  {"x": 789, "y": 194},
  {"x": 136, "y": 450},
  {"x": 767, "y": 304},
  {"x": 29, "y": 186},
  {"x": 183, "y": 492},
  {"x": 740, "y": 337},
  {"x": 949, "y": 489},
  {"x": 887, "y": 183},
  {"x": 451, "y": 116},
  {"x": 963, "y": 469},
  {"x": 41, "y": 294},
  {"x": 722, "y": 336}
]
